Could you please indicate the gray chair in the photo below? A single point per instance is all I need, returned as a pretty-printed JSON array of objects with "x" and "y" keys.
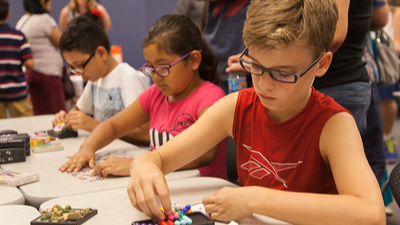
[
  {"x": 394, "y": 183},
  {"x": 231, "y": 161}
]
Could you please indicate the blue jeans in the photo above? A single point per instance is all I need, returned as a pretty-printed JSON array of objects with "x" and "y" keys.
[
  {"x": 355, "y": 97},
  {"x": 373, "y": 136},
  {"x": 361, "y": 99}
]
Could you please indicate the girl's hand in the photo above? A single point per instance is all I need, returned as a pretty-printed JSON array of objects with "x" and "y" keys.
[
  {"x": 228, "y": 204},
  {"x": 147, "y": 181},
  {"x": 79, "y": 159},
  {"x": 113, "y": 165}
]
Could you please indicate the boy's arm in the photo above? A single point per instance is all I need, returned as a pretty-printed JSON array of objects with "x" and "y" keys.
[
  {"x": 359, "y": 200},
  {"x": 107, "y": 131},
  {"x": 147, "y": 171},
  {"x": 28, "y": 63}
]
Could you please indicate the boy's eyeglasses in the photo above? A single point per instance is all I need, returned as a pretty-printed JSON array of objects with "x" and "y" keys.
[
  {"x": 162, "y": 70},
  {"x": 278, "y": 75},
  {"x": 82, "y": 68}
]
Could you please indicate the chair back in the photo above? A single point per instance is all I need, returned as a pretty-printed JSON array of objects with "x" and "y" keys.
[{"x": 394, "y": 183}]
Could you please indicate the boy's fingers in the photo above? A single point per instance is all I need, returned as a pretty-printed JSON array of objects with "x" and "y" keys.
[
  {"x": 163, "y": 194},
  {"x": 153, "y": 206},
  {"x": 142, "y": 204},
  {"x": 132, "y": 197}
]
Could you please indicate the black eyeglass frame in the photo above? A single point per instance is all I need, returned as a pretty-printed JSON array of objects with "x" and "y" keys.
[
  {"x": 263, "y": 69},
  {"x": 81, "y": 69}
]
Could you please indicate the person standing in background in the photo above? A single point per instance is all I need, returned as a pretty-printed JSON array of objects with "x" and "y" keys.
[
  {"x": 223, "y": 32},
  {"x": 193, "y": 9},
  {"x": 388, "y": 104},
  {"x": 15, "y": 52},
  {"x": 45, "y": 79},
  {"x": 78, "y": 7}
]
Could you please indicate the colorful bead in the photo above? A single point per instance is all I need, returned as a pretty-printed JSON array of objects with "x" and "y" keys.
[{"x": 171, "y": 217}]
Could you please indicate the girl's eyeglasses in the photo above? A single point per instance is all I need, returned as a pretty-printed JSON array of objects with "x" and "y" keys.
[{"x": 162, "y": 70}]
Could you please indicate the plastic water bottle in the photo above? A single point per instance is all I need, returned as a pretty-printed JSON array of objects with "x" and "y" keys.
[{"x": 236, "y": 82}]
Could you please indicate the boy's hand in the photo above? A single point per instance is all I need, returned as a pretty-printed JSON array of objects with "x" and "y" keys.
[
  {"x": 79, "y": 120},
  {"x": 227, "y": 204},
  {"x": 59, "y": 118},
  {"x": 146, "y": 182},
  {"x": 78, "y": 160},
  {"x": 113, "y": 165}
]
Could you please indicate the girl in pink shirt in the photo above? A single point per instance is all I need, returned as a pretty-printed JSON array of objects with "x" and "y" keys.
[{"x": 184, "y": 72}]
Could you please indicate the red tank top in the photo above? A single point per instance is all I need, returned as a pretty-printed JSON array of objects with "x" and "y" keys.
[{"x": 284, "y": 156}]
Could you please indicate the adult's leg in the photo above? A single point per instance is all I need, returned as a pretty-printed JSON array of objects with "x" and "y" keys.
[
  {"x": 20, "y": 108},
  {"x": 46, "y": 92},
  {"x": 389, "y": 110},
  {"x": 373, "y": 136},
  {"x": 3, "y": 107}
]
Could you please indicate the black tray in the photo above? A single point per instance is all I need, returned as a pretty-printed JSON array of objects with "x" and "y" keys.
[
  {"x": 64, "y": 134},
  {"x": 67, "y": 222}
]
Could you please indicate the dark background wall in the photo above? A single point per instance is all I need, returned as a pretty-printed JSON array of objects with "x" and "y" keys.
[{"x": 130, "y": 21}]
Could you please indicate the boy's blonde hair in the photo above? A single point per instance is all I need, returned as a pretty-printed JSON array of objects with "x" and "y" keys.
[{"x": 278, "y": 23}]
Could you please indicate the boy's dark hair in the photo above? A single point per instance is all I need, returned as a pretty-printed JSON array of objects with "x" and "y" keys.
[
  {"x": 34, "y": 7},
  {"x": 4, "y": 9},
  {"x": 83, "y": 35},
  {"x": 95, "y": 18},
  {"x": 177, "y": 34}
]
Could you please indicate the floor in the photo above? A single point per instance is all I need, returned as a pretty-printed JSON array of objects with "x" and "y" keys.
[{"x": 395, "y": 218}]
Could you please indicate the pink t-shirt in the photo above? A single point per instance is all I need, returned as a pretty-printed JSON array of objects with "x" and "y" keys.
[{"x": 168, "y": 119}]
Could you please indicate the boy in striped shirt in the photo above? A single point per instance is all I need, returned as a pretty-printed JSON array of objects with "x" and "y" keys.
[{"x": 15, "y": 52}]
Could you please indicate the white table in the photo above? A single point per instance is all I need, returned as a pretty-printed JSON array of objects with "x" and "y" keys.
[
  {"x": 396, "y": 94},
  {"x": 114, "y": 206},
  {"x": 11, "y": 196},
  {"x": 18, "y": 214},
  {"x": 52, "y": 182}
]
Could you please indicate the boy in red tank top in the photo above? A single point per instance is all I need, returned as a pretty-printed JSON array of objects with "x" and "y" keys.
[{"x": 300, "y": 155}]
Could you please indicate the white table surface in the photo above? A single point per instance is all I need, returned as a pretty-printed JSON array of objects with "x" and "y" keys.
[
  {"x": 17, "y": 214},
  {"x": 396, "y": 94},
  {"x": 114, "y": 206},
  {"x": 11, "y": 196},
  {"x": 52, "y": 182}
]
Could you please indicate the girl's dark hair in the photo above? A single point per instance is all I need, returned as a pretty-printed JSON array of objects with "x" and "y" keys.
[
  {"x": 34, "y": 7},
  {"x": 177, "y": 34},
  {"x": 83, "y": 35}
]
